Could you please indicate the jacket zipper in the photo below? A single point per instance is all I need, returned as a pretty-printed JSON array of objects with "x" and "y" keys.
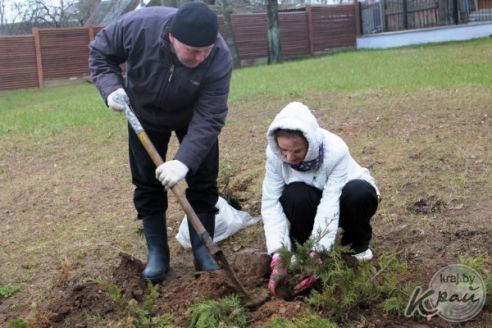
[
  {"x": 161, "y": 94},
  {"x": 166, "y": 83},
  {"x": 171, "y": 72}
]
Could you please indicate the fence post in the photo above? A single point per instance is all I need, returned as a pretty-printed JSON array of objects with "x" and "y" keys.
[
  {"x": 39, "y": 59},
  {"x": 456, "y": 16},
  {"x": 90, "y": 30},
  {"x": 382, "y": 5},
  {"x": 405, "y": 15},
  {"x": 357, "y": 18},
  {"x": 309, "y": 13}
]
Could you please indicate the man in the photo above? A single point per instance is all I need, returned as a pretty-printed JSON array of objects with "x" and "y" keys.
[
  {"x": 312, "y": 186},
  {"x": 178, "y": 71}
]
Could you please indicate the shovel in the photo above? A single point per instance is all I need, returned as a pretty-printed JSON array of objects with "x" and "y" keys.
[{"x": 180, "y": 195}]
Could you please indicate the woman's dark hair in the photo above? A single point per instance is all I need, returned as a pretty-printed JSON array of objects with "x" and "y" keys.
[{"x": 288, "y": 133}]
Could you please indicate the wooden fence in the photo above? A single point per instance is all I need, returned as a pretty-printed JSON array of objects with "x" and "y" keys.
[
  {"x": 52, "y": 53},
  {"x": 18, "y": 65},
  {"x": 47, "y": 54}
]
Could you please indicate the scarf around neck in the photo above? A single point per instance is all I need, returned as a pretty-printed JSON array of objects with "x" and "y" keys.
[{"x": 312, "y": 164}]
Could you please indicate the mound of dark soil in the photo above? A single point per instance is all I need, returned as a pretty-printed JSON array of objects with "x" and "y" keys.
[
  {"x": 90, "y": 297},
  {"x": 426, "y": 205},
  {"x": 178, "y": 291}
]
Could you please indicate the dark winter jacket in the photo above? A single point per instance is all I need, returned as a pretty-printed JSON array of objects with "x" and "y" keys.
[{"x": 165, "y": 95}]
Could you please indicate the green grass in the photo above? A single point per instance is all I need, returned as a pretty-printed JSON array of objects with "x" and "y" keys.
[
  {"x": 45, "y": 112},
  {"x": 9, "y": 290},
  {"x": 17, "y": 324},
  {"x": 406, "y": 69},
  {"x": 39, "y": 113}
]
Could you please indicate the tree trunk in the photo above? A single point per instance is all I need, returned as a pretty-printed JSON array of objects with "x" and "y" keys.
[
  {"x": 2, "y": 12},
  {"x": 169, "y": 3},
  {"x": 229, "y": 32},
  {"x": 274, "y": 48}
]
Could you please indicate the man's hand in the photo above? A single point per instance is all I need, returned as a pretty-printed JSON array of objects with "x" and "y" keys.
[
  {"x": 307, "y": 280},
  {"x": 113, "y": 102},
  {"x": 278, "y": 275},
  {"x": 171, "y": 173}
]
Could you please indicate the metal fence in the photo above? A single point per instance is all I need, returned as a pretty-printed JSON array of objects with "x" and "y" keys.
[{"x": 396, "y": 15}]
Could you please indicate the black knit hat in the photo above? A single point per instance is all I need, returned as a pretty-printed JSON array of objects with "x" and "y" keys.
[{"x": 195, "y": 25}]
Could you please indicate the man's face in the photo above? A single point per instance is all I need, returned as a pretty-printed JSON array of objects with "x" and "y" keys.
[{"x": 189, "y": 56}]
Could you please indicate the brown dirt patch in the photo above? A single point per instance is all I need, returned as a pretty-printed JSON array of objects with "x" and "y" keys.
[
  {"x": 252, "y": 267},
  {"x": 69, "y": 302}
]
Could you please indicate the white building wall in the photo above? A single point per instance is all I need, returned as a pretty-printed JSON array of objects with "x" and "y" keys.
[{"x": 427, "y": 35}]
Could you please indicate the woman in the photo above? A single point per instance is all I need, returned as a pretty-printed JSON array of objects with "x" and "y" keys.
[{"x": 312, "y": 186}]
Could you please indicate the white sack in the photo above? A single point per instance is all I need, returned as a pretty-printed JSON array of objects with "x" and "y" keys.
[{"x": 227, "y": 222}]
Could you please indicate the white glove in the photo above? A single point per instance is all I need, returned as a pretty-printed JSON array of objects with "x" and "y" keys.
[
  {"x": 115, "y": 105},
  {"x": 171, "y": 173}
]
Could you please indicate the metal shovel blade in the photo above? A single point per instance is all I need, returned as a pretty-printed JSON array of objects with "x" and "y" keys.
[{"x": 207, "y": 240}]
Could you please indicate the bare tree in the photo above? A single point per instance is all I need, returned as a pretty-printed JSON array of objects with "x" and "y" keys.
[
  {"x": 45, "y": 12},
  {"x": 2, "y": 12},
  {"x": 8, "y": 12},
  {"x": 274, "y": 48},
  {"x": 169, "y": 3},
  {"x": 22, "y": 15},
  {"x": 229, "y": 32},
  {"x": 85, "y": 8}
]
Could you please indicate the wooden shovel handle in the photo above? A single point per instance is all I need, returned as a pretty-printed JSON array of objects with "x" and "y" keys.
[{"x": 180, "y": 195}]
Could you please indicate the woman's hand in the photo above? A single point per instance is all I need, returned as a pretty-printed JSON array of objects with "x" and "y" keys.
[
  {"x": 279, "y": 274},
  {"x": 307, "y": 280}
]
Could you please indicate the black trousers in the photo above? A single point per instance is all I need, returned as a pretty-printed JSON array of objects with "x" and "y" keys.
[
  {"x": 358, "y": 203},
  {"x": 150, "y": 197}
]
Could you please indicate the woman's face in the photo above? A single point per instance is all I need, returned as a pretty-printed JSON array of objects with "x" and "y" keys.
[{"x": 292, "y": 148}]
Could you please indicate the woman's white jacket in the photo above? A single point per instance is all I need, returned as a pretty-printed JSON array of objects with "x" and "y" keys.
[{"x": 337, "y": 169}]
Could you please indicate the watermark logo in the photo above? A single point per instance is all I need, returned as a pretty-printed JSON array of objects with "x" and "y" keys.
[{"x": 456, "y": 293}]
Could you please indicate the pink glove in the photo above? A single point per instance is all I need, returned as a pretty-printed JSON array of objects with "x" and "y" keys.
[
  {"x": 307, "y": 280},
  {"x": 279, "y": 273}
]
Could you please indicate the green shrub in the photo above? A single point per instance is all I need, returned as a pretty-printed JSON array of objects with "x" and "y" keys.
[
  {"x": 367, "y": 284},
  {"x": 311, "y": 321},
  {"x": 85, "y": 318},
  {"x": 480, "y": 264},
  {"x": 346, "y": 284},
  {"x": 142, "y": 314},
  {"x": 488, "y": 286},
  {"x": 226, "y": 312},
  {"x": 138, "y": 315},
  {"x": 397, "y": 303},
  {"x": 114, "y": 292}
]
